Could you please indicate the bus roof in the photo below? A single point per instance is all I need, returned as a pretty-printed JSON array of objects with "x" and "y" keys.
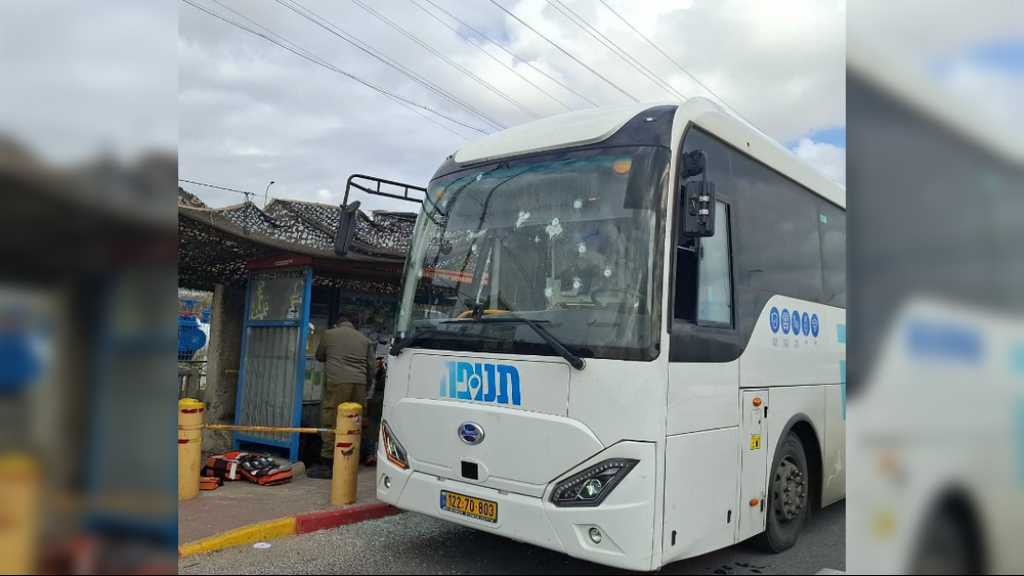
[{"x": 593, "y": 125}]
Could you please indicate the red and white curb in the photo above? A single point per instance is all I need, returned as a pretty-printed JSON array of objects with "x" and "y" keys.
[{"x": 288, "y": 526}]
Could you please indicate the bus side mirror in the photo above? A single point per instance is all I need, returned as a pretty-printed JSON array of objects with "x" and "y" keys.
[
  {"x": 346, "y": 228},
  {"x": 698, "y": 209}
]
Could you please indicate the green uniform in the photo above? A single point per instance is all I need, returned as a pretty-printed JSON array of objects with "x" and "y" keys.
[{"x": 349, "y": 365}]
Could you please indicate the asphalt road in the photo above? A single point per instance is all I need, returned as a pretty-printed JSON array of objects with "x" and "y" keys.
[{"x": 415, "y": 544}]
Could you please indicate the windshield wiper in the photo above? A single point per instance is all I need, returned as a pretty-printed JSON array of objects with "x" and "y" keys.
[
  {"x": 556, "y": 345},
  {"x": 428, "y": 333}
]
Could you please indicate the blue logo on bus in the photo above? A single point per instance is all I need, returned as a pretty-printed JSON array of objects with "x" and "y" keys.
[
  {"x": 773, "y": 319},
  {"x": 471, "y": 433},
  {"x": 805, "y": 321},
  {"x": 785, "y": 321},
  {"x": 796, "y": 323},
  {"x": 815, "y": 327},
  {"x": 942, "y": 340},
  {"x": 481, "y": 382}
]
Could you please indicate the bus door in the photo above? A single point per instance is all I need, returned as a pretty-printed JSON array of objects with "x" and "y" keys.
[{"x": 753, "y": 462}]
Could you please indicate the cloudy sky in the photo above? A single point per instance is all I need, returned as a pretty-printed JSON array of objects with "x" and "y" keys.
[
  {"x": 251, "y": 111},
  {"x": 123, "y": 76},
  {"x": 82, "y": 78},
  {"x": 977, "y": 55}
]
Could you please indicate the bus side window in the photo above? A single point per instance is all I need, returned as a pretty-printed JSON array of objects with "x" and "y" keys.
[
  {"x": 832, "y": 227},
  {"x": 703, "y": 290},
  {"x": 686, "y": 279},
  {"x": 714, "y": 298}
]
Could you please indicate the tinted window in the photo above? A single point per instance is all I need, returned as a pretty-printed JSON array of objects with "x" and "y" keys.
[
  {"x": 783, "y": 239},
  {"x": 781, "y": 249},
  {"x": 832, "y": 225}
]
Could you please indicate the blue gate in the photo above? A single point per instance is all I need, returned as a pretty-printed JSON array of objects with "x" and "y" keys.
[{"x": 274, "y": 336}]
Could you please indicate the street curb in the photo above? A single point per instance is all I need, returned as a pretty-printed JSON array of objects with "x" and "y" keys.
[
  {"x": 313, "y": 521},
  {"x": 289, "y": 526},
  {"x": 258, "y": 532}
]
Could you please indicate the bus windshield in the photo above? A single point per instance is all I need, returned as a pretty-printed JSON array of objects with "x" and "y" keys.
[{"x": 569, "y": 239}]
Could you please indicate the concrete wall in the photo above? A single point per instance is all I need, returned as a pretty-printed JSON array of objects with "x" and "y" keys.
[{"x": 223, "y": 363}]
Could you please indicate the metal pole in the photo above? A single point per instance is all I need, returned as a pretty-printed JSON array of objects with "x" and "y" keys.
[
  {"x": 267, "y": 429},
  {"x": 190, "y": 438},
  {"x": 346, "y": 453},
  {"x": 267, "y": 192},
  {"x": 23, "y": 517}
]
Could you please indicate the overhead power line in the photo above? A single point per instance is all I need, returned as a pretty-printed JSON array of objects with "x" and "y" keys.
[
  {"x": 353, "y": 40},
  {"x": 564, "y": 51},
  {"x": 413, "y": 109},
  {"x": 608, "y": 43},
  {"x": 426, "y": 46},
  {"x": 532, "y": 66},
  {"x": 321, "y": 62},
  {"x": 472, "y": 41},
  {"x": 673, "y": 60},
  {"x": 198, "y": 183}
]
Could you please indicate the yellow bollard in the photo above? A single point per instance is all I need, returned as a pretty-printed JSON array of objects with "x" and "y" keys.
[
  {"x": 190, "y": 447},
  {"x": 348, "y": 431},
  {"x": 20, "y": 511}
]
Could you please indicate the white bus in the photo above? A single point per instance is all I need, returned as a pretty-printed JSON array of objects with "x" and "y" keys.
[
  {"x": 937, "y": 361},
  {"x": 621, "y": 337}
]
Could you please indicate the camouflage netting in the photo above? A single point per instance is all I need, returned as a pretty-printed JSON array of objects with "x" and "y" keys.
[
  {"x": 313, "y": 224},
  {"x": 214, "y": 244},
  {"x": 189, "y": 199}
]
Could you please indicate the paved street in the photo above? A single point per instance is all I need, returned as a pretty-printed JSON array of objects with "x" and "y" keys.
[{"x": 416, "y": 544}]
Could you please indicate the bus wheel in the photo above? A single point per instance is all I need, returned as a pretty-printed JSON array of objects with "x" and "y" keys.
[
  {"x": 947, "y": 545},
  {"x": 788, "y": 503}
]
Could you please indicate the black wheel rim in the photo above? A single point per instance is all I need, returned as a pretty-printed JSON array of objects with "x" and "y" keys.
[{"x": 789, "y": 491}]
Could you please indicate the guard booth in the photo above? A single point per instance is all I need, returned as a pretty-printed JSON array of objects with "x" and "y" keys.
[{"x": 292, "y": 299}]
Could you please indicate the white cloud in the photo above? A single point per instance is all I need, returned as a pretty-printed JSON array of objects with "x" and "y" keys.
[
  {"x": 1001, "y": 90},
  {"x": 828, "y": 159}
]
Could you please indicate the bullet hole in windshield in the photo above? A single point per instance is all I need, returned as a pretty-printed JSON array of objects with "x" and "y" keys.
[{"x": 554, "y": 229}]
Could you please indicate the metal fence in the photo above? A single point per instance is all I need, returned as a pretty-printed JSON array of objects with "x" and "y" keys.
[{"x": 191, "y": 378}]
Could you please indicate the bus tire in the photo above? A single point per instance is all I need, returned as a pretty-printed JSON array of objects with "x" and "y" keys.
[
  {"x": 788, "y": 502},
  {"x": 948, "y": 543}
]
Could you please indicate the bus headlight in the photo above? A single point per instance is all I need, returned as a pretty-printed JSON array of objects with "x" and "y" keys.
[
  {"x": 392, "y": 448},
  {"x": 591, "y": 486}
]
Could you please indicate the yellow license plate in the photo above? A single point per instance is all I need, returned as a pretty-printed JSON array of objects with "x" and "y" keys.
[{"x": 469, "y": 506}]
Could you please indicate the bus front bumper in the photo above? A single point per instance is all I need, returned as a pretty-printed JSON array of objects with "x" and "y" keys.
[{"x": 624, "y": 520}]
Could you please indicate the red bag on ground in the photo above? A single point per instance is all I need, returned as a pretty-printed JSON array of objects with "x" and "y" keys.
[
  {"x": 263, "y": 470},
  {"x": 210, "y": 483},
  {"x": 224, "y": 465},
  {"x": 257, "y": 468}
]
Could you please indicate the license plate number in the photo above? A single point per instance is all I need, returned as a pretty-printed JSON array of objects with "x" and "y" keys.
[{"x": 471, "y": 506}]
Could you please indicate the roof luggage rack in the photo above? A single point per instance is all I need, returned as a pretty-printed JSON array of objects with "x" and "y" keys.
[{"x": 370, "y": 185}]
